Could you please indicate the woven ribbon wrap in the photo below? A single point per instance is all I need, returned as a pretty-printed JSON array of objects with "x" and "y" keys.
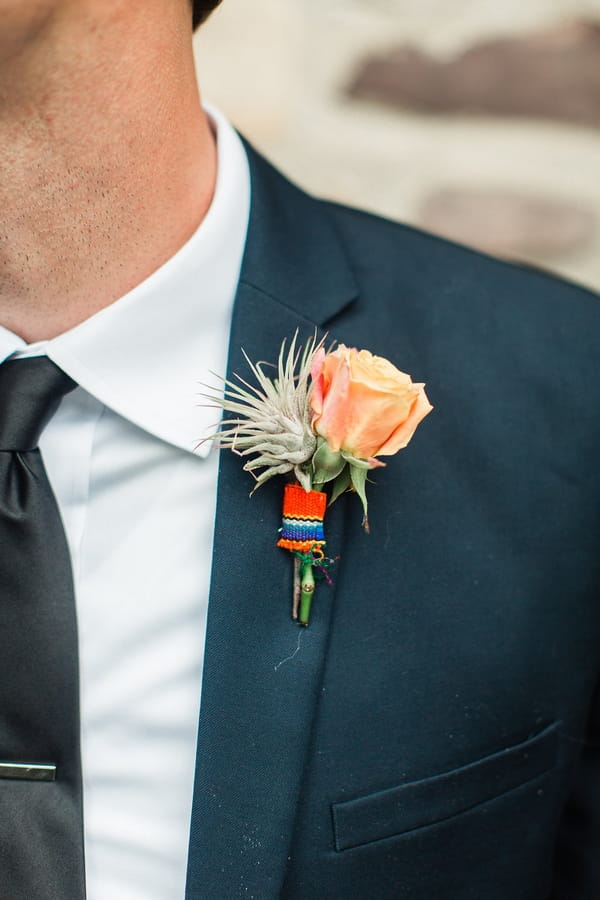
[{"x": 303, "y": 515}]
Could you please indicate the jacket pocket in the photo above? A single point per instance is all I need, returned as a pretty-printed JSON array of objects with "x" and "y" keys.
[{"x": 404, "y": 808}]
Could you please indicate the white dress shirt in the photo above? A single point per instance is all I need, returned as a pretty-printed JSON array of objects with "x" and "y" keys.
[{"x": 137, "y": 496}]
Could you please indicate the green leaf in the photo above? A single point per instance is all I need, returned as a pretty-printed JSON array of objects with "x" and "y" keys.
[
  {"x": 359, "y": 483},
  {"x": 341, "y": 484},
  {"x": 327, "y": 464}
]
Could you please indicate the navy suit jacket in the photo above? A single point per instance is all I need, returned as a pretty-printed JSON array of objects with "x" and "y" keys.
[{"x": 434, "y": 733}]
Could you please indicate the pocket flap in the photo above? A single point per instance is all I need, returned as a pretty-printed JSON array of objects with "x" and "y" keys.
[{"x": 429, "y": 800}]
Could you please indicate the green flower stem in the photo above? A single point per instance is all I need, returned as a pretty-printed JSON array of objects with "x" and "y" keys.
[
  {"x": 307, "y": 589},
  {"x": 297, "y": 589}
]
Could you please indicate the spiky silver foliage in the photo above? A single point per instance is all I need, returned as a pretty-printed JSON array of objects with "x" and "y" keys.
[{"x": 270, "y": 422}]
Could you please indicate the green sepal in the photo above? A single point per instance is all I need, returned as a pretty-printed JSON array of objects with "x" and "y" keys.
[
  {"x": 341, "y": 484},
  {"x": 355, "y": 462},
  {"x": 359, "y": 483},
  {"x": 327, "y": 464}
]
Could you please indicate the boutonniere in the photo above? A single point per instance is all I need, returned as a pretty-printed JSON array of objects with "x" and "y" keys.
[{"x": 322, "y": 419}]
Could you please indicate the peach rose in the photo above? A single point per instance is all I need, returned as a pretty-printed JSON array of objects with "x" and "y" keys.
[{"x": 363, "y": 405}]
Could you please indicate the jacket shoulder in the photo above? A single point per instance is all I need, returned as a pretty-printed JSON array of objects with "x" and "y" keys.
[{"x": 372, "y": 241}]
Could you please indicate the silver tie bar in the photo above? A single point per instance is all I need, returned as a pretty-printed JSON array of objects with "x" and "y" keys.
[{"x": 27, "y": 771}]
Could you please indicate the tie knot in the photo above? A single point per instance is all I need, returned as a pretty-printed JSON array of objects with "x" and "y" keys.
[{"x": 30, "y": 392}]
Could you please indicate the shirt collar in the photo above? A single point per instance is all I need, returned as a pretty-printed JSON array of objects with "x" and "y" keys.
[{"x": 149, "y": 354}]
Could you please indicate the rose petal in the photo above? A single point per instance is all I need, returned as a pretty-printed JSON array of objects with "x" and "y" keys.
[
  {"x": 401, "y": 436},
  {"x": 331, "y": 423}
]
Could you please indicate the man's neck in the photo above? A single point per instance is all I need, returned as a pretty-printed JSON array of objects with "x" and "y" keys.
[{"x": 107, "y": 161}]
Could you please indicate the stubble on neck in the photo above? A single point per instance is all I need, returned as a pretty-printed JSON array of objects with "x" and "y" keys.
[{"x": 107, "y": 161}]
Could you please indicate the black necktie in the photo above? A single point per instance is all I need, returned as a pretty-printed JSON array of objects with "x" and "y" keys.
[{"x": 41, "y": 829}]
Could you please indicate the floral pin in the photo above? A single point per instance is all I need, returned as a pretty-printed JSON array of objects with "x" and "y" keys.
[{"x": 323, "y": 419}]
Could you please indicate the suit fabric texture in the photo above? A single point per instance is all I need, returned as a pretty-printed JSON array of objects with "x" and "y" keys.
[{"x": 434, "y": 732}]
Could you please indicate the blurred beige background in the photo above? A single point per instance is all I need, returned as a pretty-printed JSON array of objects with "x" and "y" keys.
[{"x": 476, "y": 119}]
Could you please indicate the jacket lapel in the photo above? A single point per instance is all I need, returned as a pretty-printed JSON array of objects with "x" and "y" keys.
[{"x": 261, "y": 671}]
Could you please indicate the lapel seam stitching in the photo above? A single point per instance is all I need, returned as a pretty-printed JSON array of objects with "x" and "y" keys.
[
  {"x": 285, "y": 305},
  {"x": 292, "y": 309}
]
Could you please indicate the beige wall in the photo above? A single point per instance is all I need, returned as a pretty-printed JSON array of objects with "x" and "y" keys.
[{"x": 278, "y": 68}]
